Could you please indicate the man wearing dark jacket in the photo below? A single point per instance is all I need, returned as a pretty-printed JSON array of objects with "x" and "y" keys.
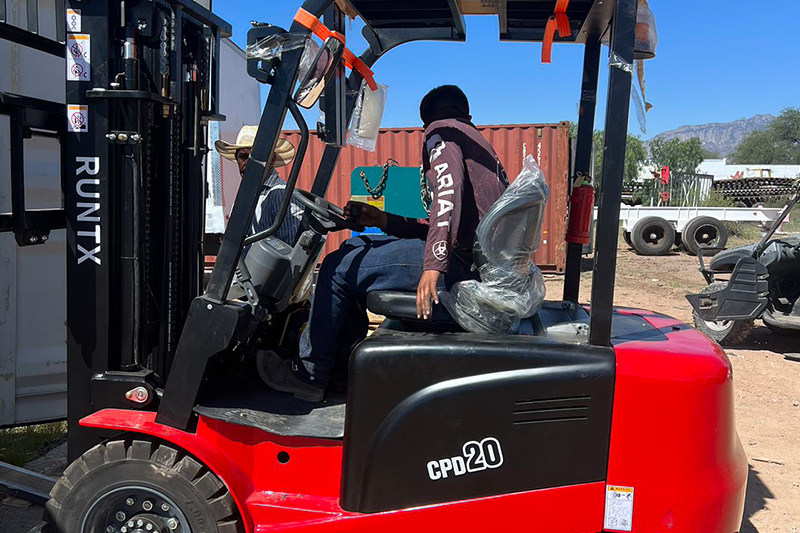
[{"x": 465, "y": 178}]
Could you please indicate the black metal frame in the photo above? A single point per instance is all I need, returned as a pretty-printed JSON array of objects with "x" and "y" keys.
[
  {"x": 583, "y": 157},
  {"x": 134, "y": 255},
  {"x": 30, "y": 117},
  {"x": 207, "y": 326},
  {"x": 30, "y": 37},
  {"x": 196, "y": 348},
  {"x": 616, "y": 138}
]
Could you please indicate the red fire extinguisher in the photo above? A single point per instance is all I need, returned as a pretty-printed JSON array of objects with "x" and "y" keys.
[{"x": 581, "y": 209}]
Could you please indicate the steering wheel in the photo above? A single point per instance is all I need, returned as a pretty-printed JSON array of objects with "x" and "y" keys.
[{"x": 326, "y": 210}]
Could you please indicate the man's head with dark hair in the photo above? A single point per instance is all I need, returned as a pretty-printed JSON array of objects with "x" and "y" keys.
[{"x": 447, "y": 101}]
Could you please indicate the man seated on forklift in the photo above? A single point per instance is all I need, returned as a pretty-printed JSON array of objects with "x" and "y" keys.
[
  {"x": 466, "y": 178},
  {"x": 271, "y": 197}
]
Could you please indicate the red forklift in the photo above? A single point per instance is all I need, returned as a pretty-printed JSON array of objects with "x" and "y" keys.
[{"x": 592, "y": 418}]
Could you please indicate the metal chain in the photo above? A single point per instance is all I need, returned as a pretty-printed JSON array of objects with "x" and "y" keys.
[
  {"x": 425, "y": 191},
  {"x": 377, "y": 192}
]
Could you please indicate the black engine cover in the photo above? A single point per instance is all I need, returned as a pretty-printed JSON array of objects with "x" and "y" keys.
[{"x": 439, "y": 418}]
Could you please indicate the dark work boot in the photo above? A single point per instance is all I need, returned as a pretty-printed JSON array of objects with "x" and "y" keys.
[{"x": 282, "y": 375}]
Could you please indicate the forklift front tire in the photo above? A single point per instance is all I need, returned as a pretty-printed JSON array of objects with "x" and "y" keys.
[{"x": 140, "y": 486}]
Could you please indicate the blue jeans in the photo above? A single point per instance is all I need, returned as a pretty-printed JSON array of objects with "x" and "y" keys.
[{"x": 361, "y": 265}]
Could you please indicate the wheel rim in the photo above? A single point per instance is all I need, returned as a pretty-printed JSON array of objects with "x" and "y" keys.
[
  {"x": 135, "y": 509},
  {"x": 706, "y": 235},
  {"x": 653, "y": 236}
]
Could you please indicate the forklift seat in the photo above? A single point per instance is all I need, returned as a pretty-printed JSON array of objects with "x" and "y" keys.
[
  {"x": 511, "y": 287},
  {"x": 403, "y": 306}
]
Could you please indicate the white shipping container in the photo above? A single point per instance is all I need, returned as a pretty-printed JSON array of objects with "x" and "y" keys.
[
  {"x": 33, "y": 366},
  {"x": 33, "y": 375}
]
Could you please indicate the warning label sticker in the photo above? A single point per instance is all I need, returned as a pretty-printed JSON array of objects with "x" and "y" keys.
[
  {"x": 619, "y": 508},
  {"x": 73, "y": 20},
  {"x": 79, "y": 59},
  {"x": 78, "y": 118},
  {"x": 380, "y": 203}
]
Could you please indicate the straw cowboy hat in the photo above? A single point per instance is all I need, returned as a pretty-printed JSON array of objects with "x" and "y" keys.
[{"x": 284, "y": 150}]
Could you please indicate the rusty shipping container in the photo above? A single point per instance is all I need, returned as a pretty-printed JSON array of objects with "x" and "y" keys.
[{"x": 548, "y": 143}]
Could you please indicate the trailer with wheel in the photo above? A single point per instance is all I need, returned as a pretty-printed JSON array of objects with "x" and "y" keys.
[{"x": 655, "y": 230}]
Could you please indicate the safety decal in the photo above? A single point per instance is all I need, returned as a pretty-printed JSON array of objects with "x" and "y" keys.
[
  {"x": 619, "y": 508},
  {"x": 73, "y": 20},
  {"x": 79, "y": 59},
  {"x": 476, "y": 457},
  {"x": 78, "y": 118}
]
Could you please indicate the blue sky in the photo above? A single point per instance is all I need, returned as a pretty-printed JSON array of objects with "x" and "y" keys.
[{"x": 718, "y": 60}]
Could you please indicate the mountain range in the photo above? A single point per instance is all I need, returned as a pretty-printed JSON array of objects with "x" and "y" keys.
[{"x": 720, "y": 137}]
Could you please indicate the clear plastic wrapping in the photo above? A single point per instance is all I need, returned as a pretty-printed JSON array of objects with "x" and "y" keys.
[
  {"x": 273, "y": 46},
  {"x": 646, "y": 32},
  {"x": 367, "y": 115},
  {"x": 511, "y": 286},
  {"x": 307, "y": 59}
]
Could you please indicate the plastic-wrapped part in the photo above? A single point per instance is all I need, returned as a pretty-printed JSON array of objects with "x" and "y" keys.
[
  {"x": 273, "y": 46},
  {"x": 511, "y": 286},
  {"x": 646, "y": 32},
  {"x": 307, "y": 59},
  {"x": 498, "y": 302},
  {"x": 367, "y": 116}
]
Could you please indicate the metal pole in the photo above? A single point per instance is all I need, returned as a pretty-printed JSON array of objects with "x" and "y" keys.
[
  {"x": 616, "y": 136},
  {"x": 583, "y": 156},
  {"x": 257, "y": 171},
  {"x": 91, "y": 287}
]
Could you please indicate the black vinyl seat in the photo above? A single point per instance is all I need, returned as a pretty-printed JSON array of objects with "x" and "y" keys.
[{"x": 403, "y": 306}]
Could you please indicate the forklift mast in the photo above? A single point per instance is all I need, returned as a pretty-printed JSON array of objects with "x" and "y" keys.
[{"x": 142, "y": 84}]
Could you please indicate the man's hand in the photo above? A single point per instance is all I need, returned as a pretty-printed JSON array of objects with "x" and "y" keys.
[
  {"x": 365, "y": 215},
  {"x": 426, "y": 291}
]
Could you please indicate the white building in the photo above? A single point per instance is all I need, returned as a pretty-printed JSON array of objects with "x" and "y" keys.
[{"x": 721, "y": 170}]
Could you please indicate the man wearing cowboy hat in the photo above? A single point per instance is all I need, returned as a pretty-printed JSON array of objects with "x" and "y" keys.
[{"x": 272, "y": 194}]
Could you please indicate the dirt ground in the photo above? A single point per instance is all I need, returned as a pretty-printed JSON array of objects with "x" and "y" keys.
[
  {"x": 767, "y": 386},
  {"x": 767, "y": 393}
]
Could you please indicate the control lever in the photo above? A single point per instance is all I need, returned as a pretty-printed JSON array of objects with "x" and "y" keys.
[{"x": 244, "y": 279}]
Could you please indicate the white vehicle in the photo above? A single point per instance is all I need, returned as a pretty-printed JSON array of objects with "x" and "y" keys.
[{"x": 655, "y": 230}]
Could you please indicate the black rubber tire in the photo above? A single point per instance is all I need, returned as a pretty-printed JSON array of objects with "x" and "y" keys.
[
  {"x": 727, "y": 333},
  {"x": 114, "y": 466},
  {"x": 653, "y": 236},
  {"x": 701, "y": 232},
  {"x": 626, "y": 236}
]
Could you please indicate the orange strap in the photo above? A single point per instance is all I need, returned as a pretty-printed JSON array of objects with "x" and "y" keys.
[
  {"x": 314, "y": 25},
  {"x": 558, "y": 21}
]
